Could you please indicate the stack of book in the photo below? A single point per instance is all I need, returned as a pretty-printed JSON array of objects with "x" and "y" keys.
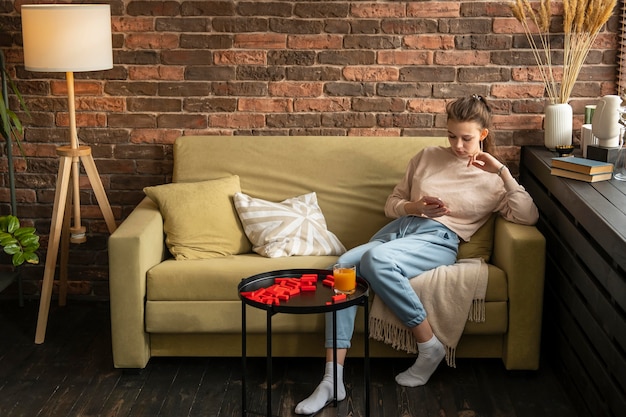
[{"x": 581, "y": 169}]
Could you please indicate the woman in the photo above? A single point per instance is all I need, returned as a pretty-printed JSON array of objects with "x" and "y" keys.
[{"x": 447, "y": 194}]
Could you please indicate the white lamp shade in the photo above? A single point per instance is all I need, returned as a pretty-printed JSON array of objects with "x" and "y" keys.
[{"x": 67, "y": 37}]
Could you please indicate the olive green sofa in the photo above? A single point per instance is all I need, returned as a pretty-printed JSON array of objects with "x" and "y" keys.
[{"x": 166, "y": 307}]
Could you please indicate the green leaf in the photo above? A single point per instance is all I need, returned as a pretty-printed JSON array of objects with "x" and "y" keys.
[
  {"x": 4, "y": 220},
  {"x": 24, "y": 231},
  {"x": 19, "y": 242},
  {"x": 12, "y": 249},
  {"x": 13, "y": 224},
  {"x": 18, "y": 259},
  {"x": 31, "y": 258},
  {"x": 4, "y": 115},
  {"x": 7, "y": 239},
  {"x": 29, "y": 240},
  {"x": 31, "y": 248},
  {"x": 11, "y": 127}
]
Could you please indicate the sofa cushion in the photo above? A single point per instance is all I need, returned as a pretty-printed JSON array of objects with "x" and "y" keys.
[
  {"x": 480, "y": 244},
  {"x": 295, "y": 226},
  {"x": 217, "y": 279},
  {"x": 199, "y": 218}
]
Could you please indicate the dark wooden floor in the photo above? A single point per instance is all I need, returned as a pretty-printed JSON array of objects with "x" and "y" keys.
[{"x": 71, "y": 374}]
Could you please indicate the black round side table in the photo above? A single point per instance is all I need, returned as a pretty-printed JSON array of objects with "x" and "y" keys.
[{"x": 319, "y": 300}]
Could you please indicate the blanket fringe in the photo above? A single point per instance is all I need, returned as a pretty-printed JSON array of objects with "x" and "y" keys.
[
  {"x": 451, "y": 356},
  {"x": 477, "y": 311},
  {"x": 401, "y": 338}
]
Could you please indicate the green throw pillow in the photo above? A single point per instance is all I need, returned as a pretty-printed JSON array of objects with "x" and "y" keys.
[
  {"x": 200, "y": 220},
  {"x": 481, "y": 243}
]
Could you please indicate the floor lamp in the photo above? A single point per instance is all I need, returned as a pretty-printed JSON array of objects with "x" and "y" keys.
[{"x": 68, "y": 38}]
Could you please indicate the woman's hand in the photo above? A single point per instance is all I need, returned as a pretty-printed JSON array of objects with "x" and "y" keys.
[
  {"x": 485, "y": 161},
  {"x": 427, "y": 206}
]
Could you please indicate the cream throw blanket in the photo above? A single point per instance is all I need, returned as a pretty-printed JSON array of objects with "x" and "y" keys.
[{"x": 451, "y": 295}]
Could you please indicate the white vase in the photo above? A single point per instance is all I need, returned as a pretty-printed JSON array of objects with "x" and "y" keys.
[{"x": 558, "y": 124}]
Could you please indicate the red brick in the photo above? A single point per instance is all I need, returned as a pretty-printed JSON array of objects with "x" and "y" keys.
[
  {"x": 165, "y": 136},
  {"x": 237, "y": 120},
  {"x": 156, "y": 73},
  {"x": 390, "y": 132},
  {"x": 427, "y": 106},
  {"x": 260, "y": 41},
  {"x": 516, "y": 91},
  {"x": 513, "y": 121},
  {"x": 321, "y": 41},
  {"x": 154, "y": 8},
  {"x": 80, "y": 88},
  {"x": 606, "y": 41},
  {"x": 405, "y": 58},
  {"x": 151, "y": 41},
  {"x": 83, "y": 119},
  {"x": 512, "y": 25},
  {"x": 265, "y": 105},
  {"x": 434, "y": 9},
  {"x": 239, "y": 58},
  {"x": 186, "y": 57},
  {"x": 100, "y": 103},
  {"x": 371, "y": 74},
  {"x": 462, "y": 58},
  {"x": 131, "y": 24},
  {"x": 295, "y": 89},
  {"x": 321, "y": 104},
  {"x": 41, "y": 150},
  {"x": 378, "y": 10},
  {"x": 436, "y": 42},
  {"x": 533, "y": 74},
  {"x": 180, "y": 121},
  {"x": 378, "y": 105}
]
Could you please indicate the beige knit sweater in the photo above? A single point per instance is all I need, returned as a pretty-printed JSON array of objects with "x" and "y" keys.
[{"x": 470, "y": 193}]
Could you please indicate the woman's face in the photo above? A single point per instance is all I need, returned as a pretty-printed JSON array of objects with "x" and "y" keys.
[{"x": 465, "y": 137}]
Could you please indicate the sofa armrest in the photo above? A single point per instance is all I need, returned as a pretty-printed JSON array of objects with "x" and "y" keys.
[
  {"x": 520, "y": 252},
  {"x": 136, "y": 246}
]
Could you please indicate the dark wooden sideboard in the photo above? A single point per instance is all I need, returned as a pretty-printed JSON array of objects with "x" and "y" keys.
[{"x": 584, "y": 318}]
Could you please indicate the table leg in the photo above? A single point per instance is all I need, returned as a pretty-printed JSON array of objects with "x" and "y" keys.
[
  {"x": 367, "y": 356},
  {"x": 244, "y": 369},
  {"x": 269, "y": 363},
  {"x": 334, "y": 358}
]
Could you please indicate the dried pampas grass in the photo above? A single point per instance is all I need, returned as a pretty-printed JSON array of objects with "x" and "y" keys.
[{"x": 582, "y": 21}]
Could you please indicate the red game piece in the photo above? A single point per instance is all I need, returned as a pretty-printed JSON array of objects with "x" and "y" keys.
[{"x": 338, "y": 297}]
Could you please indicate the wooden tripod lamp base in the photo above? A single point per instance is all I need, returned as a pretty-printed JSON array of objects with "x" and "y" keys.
[
  {"x": 68, "y": 167},
  {"x": 67, "y": 38}
]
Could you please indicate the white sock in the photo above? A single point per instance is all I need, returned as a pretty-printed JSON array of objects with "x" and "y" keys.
[
  {"x": 430, "y": 355},
  {"x": 323, "y": 394}
]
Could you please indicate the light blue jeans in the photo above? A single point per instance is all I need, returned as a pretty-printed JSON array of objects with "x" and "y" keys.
[{"x": 401, "y": 250}]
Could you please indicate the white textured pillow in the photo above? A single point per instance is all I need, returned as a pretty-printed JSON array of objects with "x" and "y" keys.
[{"x": 295, "y": 226}]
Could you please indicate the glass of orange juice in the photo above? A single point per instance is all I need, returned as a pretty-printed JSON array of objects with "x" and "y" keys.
[{"x": 345, "y": 278}]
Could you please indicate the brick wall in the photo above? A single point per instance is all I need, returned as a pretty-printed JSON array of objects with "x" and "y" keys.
[{"x": 271, "y": 68}]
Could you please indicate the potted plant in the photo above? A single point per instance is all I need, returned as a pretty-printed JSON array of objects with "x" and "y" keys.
[{"x": 21, "y": 243}]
